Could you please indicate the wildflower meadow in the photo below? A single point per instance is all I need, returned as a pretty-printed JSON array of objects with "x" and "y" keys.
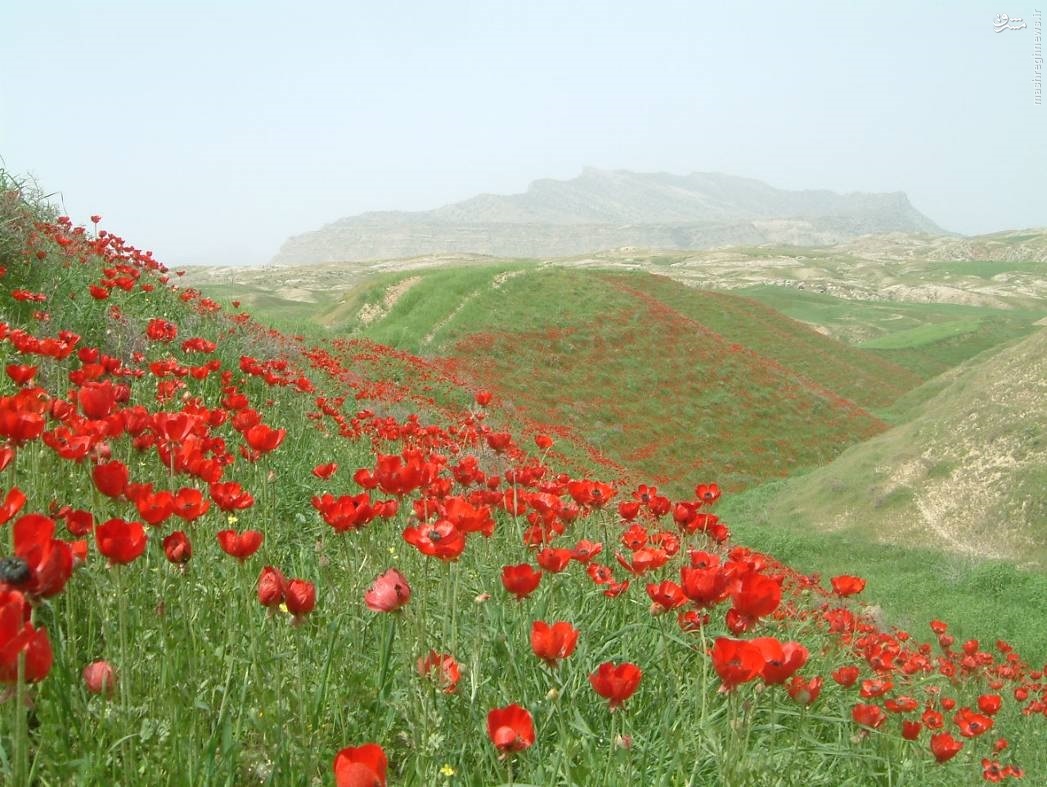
[{"x": 234, "y": 556}]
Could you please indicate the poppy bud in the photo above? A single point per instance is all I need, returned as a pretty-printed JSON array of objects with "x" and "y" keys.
[{"x": 99, "y": 678}]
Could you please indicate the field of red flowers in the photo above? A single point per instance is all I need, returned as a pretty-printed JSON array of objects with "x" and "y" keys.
[{"x": 233, "y": 557}]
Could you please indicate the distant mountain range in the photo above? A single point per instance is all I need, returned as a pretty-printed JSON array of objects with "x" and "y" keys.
[{"x": 608, "y": 209}]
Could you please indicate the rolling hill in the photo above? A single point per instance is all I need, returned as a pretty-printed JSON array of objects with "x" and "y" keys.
[
  {"x": 965, "y": 471},
  {"x": 663, "y": 379}
]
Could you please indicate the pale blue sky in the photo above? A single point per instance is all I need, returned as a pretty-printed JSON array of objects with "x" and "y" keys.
[{"x": 211, "y": 131}]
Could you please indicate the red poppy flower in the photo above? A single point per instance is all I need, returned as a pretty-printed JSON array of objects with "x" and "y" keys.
[
  {"x": 271, "y": 587},
  {"x": 616, "y": 682},
  {"x": 544, "y": 442},
  {"x": 844, "y": 585},
  {"x": 360, "y": 766},
  {"x": 707, "y": 493},
  {"x": 21, "y": 374},
  {"x": 300, "y": 597},
  {"x": 46, "y": 562},
  {"x": 346, "y": 512},
  {"x": 932, "y": 719},
  {"x": 467, "y": 517},
  {"x": 757, "y": 595},
  {"x": 18, "y": 636},
  {"x": 499, "y": 441},
  {"x": 159, "y": 330},
  {"x": 22, "y": 415},
  {"x": 189, "y": 504},
  {"x": 77, "y": 521},
  {"x": 443, "y": 668},
  {"x": 555, "y": 642},
  {"x": 483, "y": 398},
  {"x": 177, "y": 548},
  {"x": 553, "y": 559},
  {"x": 120, "y": 541},
  {"x": 263, "y": 438},
  {"x": 781, "y": 660},
  {"x": 803, "y": 691},
  {"x": 735, "y": 661},
  {"x": 692, "y": 621},
  {"x": 324, "y": 472},
  {"x": 590, "y": 493},
  {"x": 944, "y": 746},
  {"x": 97, "y": 400},
  {"x": 643, "y": 560},
  {"x": 846, "y": 676},
  {"x": 153, "y": 507},
  {"x": 990, "y": 704},
  {"x": 440, "y": 539},
  {"x": 240, "y": 545},
  {"x": 706, "y": 587},
  {"x": 388, "y": 593},
  {"x": 665, "y": 596},
  {"x": 876, "y": 687},
  {"x": 586, "y": 550},
  {"x": 911, "y": 729},
  {"x": 230, "y": 496},
  {"x": 520, "y": 580},
  {"x": 99, "y": 678},
  {"x": 972, "y": 724},
  {"x": 868, "y": 715},
  {"x": 628, "y": 509},
  {"x": 903, "y": 704},
  {"x": 110, "y": 478},
  {"x": 511, "y": 729}
]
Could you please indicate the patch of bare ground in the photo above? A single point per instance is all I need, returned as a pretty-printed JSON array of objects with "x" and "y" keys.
[{"x": 371, "y": 312}]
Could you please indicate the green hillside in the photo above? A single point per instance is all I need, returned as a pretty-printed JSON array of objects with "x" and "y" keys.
[
  {"x": 664, "y": 379},
  {"x": 964, "y": 473},
  {"x": 925, "y": 338}
]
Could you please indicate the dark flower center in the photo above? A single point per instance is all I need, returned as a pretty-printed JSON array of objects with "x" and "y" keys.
[{"x": 14, "y": 571}]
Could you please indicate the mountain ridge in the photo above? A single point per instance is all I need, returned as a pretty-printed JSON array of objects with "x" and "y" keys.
[{"x": 603, "y": 209}]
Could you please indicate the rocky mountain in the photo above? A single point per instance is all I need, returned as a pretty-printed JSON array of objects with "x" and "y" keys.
[{"x": 603, "y": 209}]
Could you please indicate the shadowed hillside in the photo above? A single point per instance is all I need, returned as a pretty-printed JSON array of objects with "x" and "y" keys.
[{"x": 966, "y": 472}]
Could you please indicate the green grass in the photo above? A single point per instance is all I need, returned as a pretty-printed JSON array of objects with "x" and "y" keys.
[
  {"x": 662, "y": 379},
  {"x": 988, "y": 269},
  {"x": 212, "y": 689},
  {"x": 912, "y": 585},
  {"x": 924, "y": 338},
  {"x": 923, "y": 335},
  {"x": 960, "y": 470}
]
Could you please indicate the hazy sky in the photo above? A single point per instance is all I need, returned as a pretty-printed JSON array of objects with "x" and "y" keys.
[{"x": 211, "y": 131}]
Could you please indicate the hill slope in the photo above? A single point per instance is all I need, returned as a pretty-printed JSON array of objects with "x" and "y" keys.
[
  {"x": 609, "y": 209},
  {"x": 965, "y": 472},
  {"x": 664, "y": 380},
  {"x": 161, "y": 653}
]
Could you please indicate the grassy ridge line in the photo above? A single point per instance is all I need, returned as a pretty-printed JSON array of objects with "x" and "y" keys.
[
  {"x": 653, "y": 393},
  {"x": 865, "y": 378}
]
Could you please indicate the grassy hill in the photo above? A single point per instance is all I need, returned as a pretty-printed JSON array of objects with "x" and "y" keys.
[
  {"x": 665, "y": 380},
  {"x": 964, "y": 472}
]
